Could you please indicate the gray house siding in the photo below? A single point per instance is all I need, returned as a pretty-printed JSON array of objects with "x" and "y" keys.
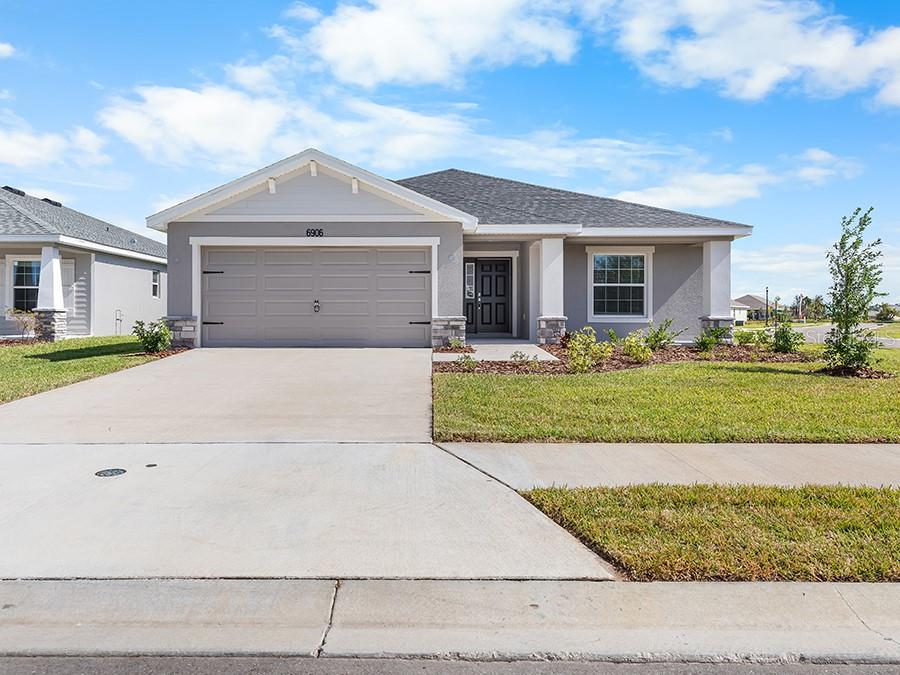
[
  {"x": 449, "y": 264},
  {"x": 124, "y": 284},
  {"x": 677, "y": 289}
]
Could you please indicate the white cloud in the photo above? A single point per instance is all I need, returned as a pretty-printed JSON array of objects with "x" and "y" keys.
[
  {"x": 6, "y": 50},
  {"x": 704, "y": 189},
  {"x": 23, "y": 147},
  {"x": 41, "y": 192},
  {"x": 433, "y": 41},
  {"x": 817, "y": 166},
  {"x": 302, "y": 12},
  {"x": 750, "y": 48},
  {"x": 5, "y": 95}
]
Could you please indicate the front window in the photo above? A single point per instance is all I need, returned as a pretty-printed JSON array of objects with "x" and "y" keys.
[
  {"x": 154, "y": 283},
  {"x": 26, "y": 277},
  {"x": 619, "y": 284}
]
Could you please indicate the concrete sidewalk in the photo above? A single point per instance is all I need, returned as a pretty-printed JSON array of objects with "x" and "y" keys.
[
  {"x": 501, "y": 620},
  {"x": 526, "y": 465}
]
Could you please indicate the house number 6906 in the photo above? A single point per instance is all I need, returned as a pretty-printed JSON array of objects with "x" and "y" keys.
[{"x": 315, "y": 232}]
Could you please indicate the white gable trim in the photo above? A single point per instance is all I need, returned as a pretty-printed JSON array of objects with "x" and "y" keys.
[
  {"x": 215, "y": 197},
  {"x": 74, "y": 242}
]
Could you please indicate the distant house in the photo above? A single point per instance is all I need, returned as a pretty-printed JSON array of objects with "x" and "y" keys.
[
  {"x": 78, "y": 274},
  {"x": 756, "y": 306},
  {"x": 739, "y": 311}
]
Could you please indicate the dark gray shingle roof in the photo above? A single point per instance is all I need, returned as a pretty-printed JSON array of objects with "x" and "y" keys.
[
  {"x": 502, "y": 201},
  {"x": 30, "y": 215}
]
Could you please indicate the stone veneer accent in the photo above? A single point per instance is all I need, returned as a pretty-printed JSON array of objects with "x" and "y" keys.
[
  {"x": 51, "y": 324},
  {"x": 184, "y": 330},
  {"x": 551, "y": 329},
  {"x": 445, "y": 327},
  {"x": 719, "y": 322}
]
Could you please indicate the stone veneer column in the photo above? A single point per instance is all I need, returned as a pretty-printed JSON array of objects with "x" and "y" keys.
[
  {"x": 443, "y": 328},
  {"x": 550, "y": 329},
  {"x": 52, "y": 324},
  {"x": 184, "y": 330}
]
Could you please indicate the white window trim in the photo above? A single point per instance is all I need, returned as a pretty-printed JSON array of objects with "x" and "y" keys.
[
  {"x": 647, "y": 252},
  {"x": 155, "y": 286},
  {"x": 12, "y": 258},
  {"x": 487, "y": 253},
  {"x": 197, "y": 243}
]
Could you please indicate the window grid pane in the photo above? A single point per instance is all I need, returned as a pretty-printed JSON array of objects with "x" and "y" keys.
[{"x": 619, "y": 282}]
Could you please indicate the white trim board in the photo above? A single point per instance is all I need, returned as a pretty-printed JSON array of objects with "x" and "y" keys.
[
  {"x": 735, "y": 231},
  {"x": 647, "y": 252},
  {"x": 64, "y": 240},
  {"x": 487, "y": 253},
  {"x": 197, "y": 243}
]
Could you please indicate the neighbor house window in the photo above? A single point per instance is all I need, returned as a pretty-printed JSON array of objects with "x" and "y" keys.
[
  {"x": 619, "y": 283},
  {"x": 26, "y": 275},
  {"x": 154, "y": 283}
]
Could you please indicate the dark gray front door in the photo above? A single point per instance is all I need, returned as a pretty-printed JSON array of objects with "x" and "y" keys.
[{"x": 488, "y": 295}]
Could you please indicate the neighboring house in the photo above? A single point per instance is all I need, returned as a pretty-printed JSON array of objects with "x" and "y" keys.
[
  {"x": 78, "y": 274},
  {"x": 756, "y": 306},
  {"x": 315, "y": 251},
  {"x": 739, "y": 312}
]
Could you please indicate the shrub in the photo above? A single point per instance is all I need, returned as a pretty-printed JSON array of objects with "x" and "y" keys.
[
  {"x": 153, "y": 336},
  {"x": 746, "y": 337},
  {"x": 886, "y": 313},
  {"x": 26, "y": 322},
  {"x": 456, "y": 343},
  {"x": 711, "y": 337},
  {"x": 662, "y": 336},
  {"x": 614, "y": 337},
  {"x": 518, "y": 357},
  {"x": 787, "y": 340},
  {"x": 635, "y": 347},
  {"x": 466, "y": 362},
  {"x": 584, "y": 351}
]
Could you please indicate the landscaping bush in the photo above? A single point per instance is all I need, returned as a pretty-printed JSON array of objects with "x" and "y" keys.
[
  {"x": 886, "y": 313},
  {"x": 787, "y": 340},
  {"x": 466, "y": 362},
  {"x": 662, "y": 336},
  {"x": 153, "y": 336},
  {"x": 635, "y": 347},
  {"x": 710, "y": 338},
  {"x": 746, "y": 338},
  {"x": 456, "y": 343},
  {"x": 26, "y": 322},
  {"x": 583, "y": 350},
  {"x": 614, "y": 337}
]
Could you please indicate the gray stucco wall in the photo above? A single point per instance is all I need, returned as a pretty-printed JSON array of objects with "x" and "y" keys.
[
  {"x": 124, "y": 284},
  {"x": 449, "y": 252},
  {"x": 677, "y": 289}
]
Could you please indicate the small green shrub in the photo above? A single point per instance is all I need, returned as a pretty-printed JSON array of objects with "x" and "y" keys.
[
  {"x": 662, "y": 336},
  {"x": 153, "y": 336},
  {"x": 746, "y": 337},
  {"x": 787, "y": 340},
  {"x": 583, "y": 350},
  {"x": 466, "y": 362},
  {"x": 456, "y": 343},
  {"x": 635, "y": 347},
  {"x": 710, "y": 338},
  {"x": 518, "y": 357},
  {"x": 614, "y": 337}
]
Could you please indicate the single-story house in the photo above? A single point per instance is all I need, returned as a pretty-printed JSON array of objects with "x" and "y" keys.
[
  {"x": 739, "y": 312},
  {"x": 315, "y": 251},
  {"x": 756, "y": 306},
  {"x": 78, "y": 274}
]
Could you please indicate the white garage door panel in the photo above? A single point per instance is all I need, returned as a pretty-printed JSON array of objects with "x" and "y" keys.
[{"x": 265, "y": 297}]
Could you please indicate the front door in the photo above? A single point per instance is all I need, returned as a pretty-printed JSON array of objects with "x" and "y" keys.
[{"x": 488, "y": 292}]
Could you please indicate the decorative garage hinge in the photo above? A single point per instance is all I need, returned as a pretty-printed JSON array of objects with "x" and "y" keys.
[
  {"x": 213, "y": 323},
  {"x": 419, "y": 323},
  {"x": 213, "y": 272},
  {"x": 420, "y": 271}
]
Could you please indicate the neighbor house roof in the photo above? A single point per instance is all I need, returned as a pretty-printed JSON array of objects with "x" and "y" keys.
[
  {"x": 503, "y": 201},
  {"x": 753, "y": 301},
  {"x": 739, "y": 305},
  {"x": 23, "y": 214}
]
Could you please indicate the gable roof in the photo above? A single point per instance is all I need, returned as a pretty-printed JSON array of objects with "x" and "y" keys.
[
  {"x": 28, "y": 215},
  {"x": 208, "y": 200},
  {"x": 502, "y": 201}
]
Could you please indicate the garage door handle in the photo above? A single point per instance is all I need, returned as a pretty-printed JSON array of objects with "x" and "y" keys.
[
  {"x": 213, "y": 272},
  {"x": 420, "y": 271},
  {"x": 213, "y": 323},
  {"x": 419, "y": 323}
]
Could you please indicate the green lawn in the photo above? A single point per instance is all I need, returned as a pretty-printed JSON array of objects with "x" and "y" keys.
[
  {"x": 889, "y": 330},
  {"x": 679, "y": 402},
  {"x": 735, "y": 533},
  {"x": 33, "y": 368}
]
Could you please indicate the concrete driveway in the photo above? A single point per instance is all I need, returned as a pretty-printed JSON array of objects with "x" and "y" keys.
[
  {"x": 230, "y": 395},
  {"x": 335, "y": 510}
]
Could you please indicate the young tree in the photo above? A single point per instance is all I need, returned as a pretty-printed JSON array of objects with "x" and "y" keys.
[{"x": 855, "y": 275}]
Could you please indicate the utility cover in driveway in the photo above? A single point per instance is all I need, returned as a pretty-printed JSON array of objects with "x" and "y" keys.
[
  {"x": 226, "y": 395},
  {"x": 343, "y": 297}
]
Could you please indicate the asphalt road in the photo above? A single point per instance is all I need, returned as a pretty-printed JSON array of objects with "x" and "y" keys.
[{"x": 309, "y": 666}]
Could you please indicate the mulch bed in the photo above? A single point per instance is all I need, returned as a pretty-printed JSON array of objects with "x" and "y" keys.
[
  {"x": 619, "y": 361},
  {"x": 162, "y": 354},
  {"x": 15, "y": 342}
]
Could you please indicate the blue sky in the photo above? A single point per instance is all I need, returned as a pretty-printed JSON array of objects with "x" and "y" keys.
[{"x": 781, "y": 114}]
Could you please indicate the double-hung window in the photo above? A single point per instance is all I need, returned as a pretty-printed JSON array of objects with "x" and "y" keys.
[
  {"x": 154, "y": 283},
  {"x": 26, "y": 276},
  {"x": 619, "y": 283}
]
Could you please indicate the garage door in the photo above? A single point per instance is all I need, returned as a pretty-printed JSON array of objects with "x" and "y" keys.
[{"x": 347, "y": 297}]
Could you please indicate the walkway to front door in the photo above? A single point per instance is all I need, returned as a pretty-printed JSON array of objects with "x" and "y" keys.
[{"x": 488, "y": 295}]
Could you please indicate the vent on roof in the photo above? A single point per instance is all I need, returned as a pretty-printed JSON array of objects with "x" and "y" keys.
[
  {"x": 51, "y": 202},
  {"x": 15, "y": 191}
]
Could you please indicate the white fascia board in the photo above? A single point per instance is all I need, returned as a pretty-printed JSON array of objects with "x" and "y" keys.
[
  {"x": 74, "y": 242},
  {"x": 736, "y": 231},
  {"x": 537, "y": 230},
  {"x": 159, "y": 221}
]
